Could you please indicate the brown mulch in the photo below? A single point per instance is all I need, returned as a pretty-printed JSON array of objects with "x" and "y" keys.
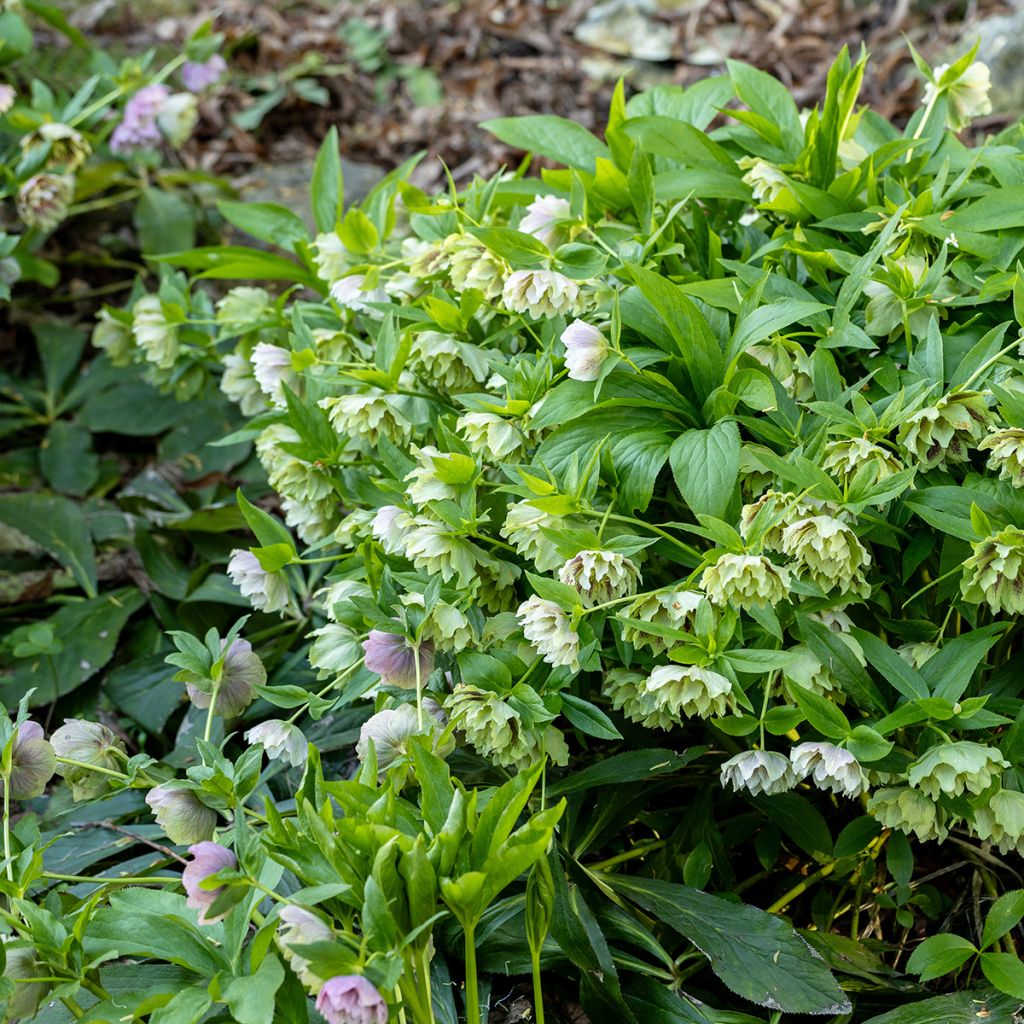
[{"x": 507, "y": 57}]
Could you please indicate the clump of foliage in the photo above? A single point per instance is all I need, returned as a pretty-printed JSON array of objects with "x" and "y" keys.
[{"x": 663, "y": 510}]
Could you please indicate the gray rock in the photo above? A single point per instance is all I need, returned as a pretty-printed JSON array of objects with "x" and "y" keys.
[{"x": 288, "y": 184}]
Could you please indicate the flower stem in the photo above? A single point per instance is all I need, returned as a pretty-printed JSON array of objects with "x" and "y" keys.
[
  {"x": 94, "y": 768},
  {"x": 7, "y": 829},
  {"x": 538, "y": 994},
  {"x": 101, "y": 880},
  {"x": 472, "y": 991},
  {"x": 801, "y": 887}
]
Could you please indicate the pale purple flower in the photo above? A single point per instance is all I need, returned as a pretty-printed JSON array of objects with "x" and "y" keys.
[
  {"x": 393, "y": 658},
  {"x": 207, "y": 859},
  {"x": 349, "y": 292},
  {"x": 33, "y": 762},
  {"x": 351, "y": 999},
  {"x": 7, "y": 97},
  {"x": 272, "y": 368},
  {"x": 138, "y": 128},
  {"x": 242, "y": 671},
  {"x": 198, "y": 76}
]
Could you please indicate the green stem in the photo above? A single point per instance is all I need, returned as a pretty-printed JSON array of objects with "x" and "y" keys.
[
  {"x": 801, "y": 887},
  {"x": 7, "y": 829},
  {"x": 209, "y": 712},
  {"x": 94, "y": 768},
  {"x": 472, "y": 991},
  {"x": 619, "y": 858},
  {"x": 101, "y": 880},
  {"x": 327, "y": 689},
  {"x": 428, "y": 994},
  {"x": 538, "y": 994}
]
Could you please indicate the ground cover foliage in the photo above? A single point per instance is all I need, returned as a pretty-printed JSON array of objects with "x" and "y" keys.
[{"x": 634, "y": 614}]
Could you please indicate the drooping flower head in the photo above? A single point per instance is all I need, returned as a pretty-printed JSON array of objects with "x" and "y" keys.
[
  {"x": 758, "y": 771},
  {"x": 745, "y": 581},
  {"x": 181, "y": 814},
  {"x": 543, "y": 217},
  {"x": 548, "y": 628},
  {"x": 33, "y": 762},
  {"x": 910, "y": 811},
  {"x": 600, "y": 576},
  {"x": 351, "y": 999},
  {"x": 301, "y": 927},
  {"x": 1006, "y": 453},
  {"x": 967, "y": 96},
  {"x": 394, "y": 658},
  {"x": 154, "y": 333},
  {"x": 199, "y": 75},
  {"x": 282, "y": 741},
  {"x": 242, "y": 671},
  {"x": 44, "y": 199},
  {"x": 953, "y": 768},
  {"x": 138, "y": 128},
  {"x": 541, "y": 293},
  {"x": 585, "y": 350},
  {"x": 945, "y": 431},
  {"x": 689, "y": 690},
  {"x": 994, "y": 572},
  {"x": 830, "y": 768},
  {"x": 91, "y": 743},
  {"x": 207, "y": 859},
  {"x": 266, "y": 591},
  {"x": 828, "y": 552}
]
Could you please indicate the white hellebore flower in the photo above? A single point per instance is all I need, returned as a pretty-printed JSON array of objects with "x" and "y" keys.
[
  {"x": 967, "y": 96},
  {"x": 585, "y": 350},
  {"x": 547, "y": 627},
  {"x": 266, "y": 591},
  {"x": 389, "y": 526},
  {"x": 600, "y": 576},
  {"x": 689, "y": 690},
  {"x": 349, "y": 292},
  {"x": 830, "y": 767},
  {"x": 272, "y": 368},
  {"x": 542, "y": 218},
  {"x": 541, "y": 293},
  {"x": 157, "y": 338},
  {"x": 282, "y": 741},
  {"x": 758, "y": 771}
]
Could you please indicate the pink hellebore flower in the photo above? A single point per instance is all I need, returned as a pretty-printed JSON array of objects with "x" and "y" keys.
[
  {"x": 199, "y": 76},
  {"x": 207, "y": 859},
  {"x": 138, "y": 128},
  {"x": 351, "y": 999}
]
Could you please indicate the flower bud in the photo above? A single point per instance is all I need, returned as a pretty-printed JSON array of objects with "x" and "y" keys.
[
  {"x": 266, "y": 591},
  {"x": 766, "y": 181},
  {"x": 600, "y": 576},
  {"x": 548, "y": 628},
  {"x": 181, "y": 814},
  {"x": 282, "y": 741},
  {"x": 689, "y": 690},
  {"x": 91, "y": 743},
  {"x": 44, "y": 199},
  {"x": 351, "y": 999},
  {"x": 830, "y": 767},
  {"x": 758, "y": 771},
  {"x": 207, "y": 859},
  {"x": 300, "y": 927},
  {"x": 585, "y": 350},
  {"x": 745, "y": 581},
  {"x": 394, "y": 658}
]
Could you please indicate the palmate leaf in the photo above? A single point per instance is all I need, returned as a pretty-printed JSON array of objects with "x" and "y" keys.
[{"x": 756, "y": 955}]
